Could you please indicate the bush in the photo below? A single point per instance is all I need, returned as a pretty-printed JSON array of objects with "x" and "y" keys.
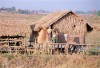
[
  {"x": 98, "y": 13},
  {"x": 8, "y": 56},
  {"x": 93, "y": 51}
]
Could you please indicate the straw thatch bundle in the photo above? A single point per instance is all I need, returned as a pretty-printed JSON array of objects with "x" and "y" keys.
[
  {"x": 42, "y": 36},
  {"x": 13, "y": 27}
]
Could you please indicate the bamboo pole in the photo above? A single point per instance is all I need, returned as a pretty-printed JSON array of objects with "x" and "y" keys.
[{"x": 35, "y": 46}]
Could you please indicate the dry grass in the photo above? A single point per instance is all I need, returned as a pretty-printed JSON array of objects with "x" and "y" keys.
[
  {"x": 13, "y": 27},
  {"x": 50, "y": 61},
  {"x": 31, "y": 18}
]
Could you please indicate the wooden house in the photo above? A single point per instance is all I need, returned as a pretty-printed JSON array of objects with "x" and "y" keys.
[
  {"x": 13, "y": 32},
  {"x": 64, "y": 22}
]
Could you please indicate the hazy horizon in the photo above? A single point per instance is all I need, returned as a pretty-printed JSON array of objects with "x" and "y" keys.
[{"x": 53, "y": 5}]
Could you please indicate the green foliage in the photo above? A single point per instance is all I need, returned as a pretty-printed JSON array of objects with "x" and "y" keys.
[
  {"x": 23, "y": 11},
  {"x": 93, "y": 51},
  {"x": 14, "y": 10},
  {"x": 8, "y": 56},
  {"x": 98, "y": 13}
]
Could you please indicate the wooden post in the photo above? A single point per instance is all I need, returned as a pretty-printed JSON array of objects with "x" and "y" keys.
[
  {"x": 66, "y": 48},
  {"x": 16, "y": 50},
  {"x": 51, "y": 49},
  {"x": 35, "y": 46},
  {"x": 58, "y": 48},
  {"x": 61, "y": 47}
]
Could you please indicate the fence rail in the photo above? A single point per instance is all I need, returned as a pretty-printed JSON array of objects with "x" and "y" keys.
[{"x": 49, "y": 48}]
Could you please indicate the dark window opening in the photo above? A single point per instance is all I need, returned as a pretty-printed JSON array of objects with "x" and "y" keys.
[
  {"x": 15, "y": 36},
  {"x": 81, "y": 20},
  {"x": 89, "y": 28},
  {"x": 11, "y": 43},
  {"x": 18, "y": 43},
  {"x": 74, "y": 26}
]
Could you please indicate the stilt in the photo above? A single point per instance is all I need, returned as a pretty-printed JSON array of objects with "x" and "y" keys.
[{"x": 66, "y": 48}]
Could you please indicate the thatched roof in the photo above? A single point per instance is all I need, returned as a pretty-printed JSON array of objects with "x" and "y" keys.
[
  {"x": 13, "y": 27},
  {"x": 50, "y": 19}
]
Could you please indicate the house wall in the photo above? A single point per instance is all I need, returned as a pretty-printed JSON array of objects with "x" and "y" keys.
[{"x": 71, "y": 25}]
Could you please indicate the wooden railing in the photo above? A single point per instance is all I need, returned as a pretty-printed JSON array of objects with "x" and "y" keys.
[{"x": 49, "y": 48}]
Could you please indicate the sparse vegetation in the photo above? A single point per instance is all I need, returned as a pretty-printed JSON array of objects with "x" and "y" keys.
[
  {"x": 93, "y": 50},
  {"x": 98, "y": 13},
  {"x": 51, "y": 61}
]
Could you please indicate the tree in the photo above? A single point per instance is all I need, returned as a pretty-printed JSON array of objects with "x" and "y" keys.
[
  {"x": 98, "y": 12},
  {"x": 13, "y": 8}
]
